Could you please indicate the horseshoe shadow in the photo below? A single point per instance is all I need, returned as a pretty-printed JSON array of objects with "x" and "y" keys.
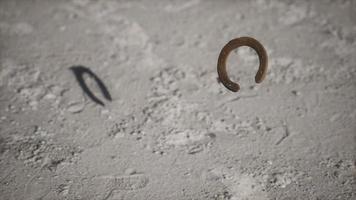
[{"x": 78, "y": 72}]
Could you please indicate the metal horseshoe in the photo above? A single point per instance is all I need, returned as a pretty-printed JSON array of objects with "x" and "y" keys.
[{"x": 233, "y": 44}]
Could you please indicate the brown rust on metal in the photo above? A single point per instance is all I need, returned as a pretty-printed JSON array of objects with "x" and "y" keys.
[{"x": 233, "y": 44}]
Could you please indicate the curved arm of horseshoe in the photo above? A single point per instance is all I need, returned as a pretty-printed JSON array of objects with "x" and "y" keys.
[{"x": 233, "y": 44}]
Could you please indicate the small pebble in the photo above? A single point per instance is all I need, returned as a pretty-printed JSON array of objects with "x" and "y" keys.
[
  {"x": 76, "y": 107},
  {"x": 130, "y": 171},
  {"x": 296, "y": 93}
]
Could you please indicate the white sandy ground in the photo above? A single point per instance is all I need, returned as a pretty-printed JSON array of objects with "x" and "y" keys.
[{"x": 172, "y": 131}]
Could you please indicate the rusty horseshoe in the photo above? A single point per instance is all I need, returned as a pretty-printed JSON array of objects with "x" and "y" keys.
[{"x": 233, "y": 44}]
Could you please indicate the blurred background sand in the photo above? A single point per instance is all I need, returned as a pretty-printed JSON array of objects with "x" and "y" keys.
[{"x": 171, "y": 130}]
